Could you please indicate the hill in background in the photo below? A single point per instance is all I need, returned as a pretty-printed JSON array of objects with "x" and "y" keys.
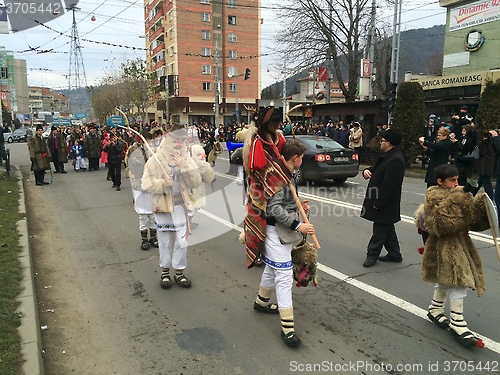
[{"x": 421, "y": 51}]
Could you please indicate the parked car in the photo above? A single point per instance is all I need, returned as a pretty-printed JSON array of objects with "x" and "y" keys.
[
  {"x": 22, "y": 135},
  {"x": 7, "y": 137},
  {"x": 326, "y": 159}
]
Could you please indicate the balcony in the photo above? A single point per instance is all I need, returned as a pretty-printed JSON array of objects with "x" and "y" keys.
[
  {"x": 160, "y": 47},
  {"x": 156, "y": 33}
]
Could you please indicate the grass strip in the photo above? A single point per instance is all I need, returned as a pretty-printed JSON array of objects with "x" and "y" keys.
[{"x": 10, "y": 277}]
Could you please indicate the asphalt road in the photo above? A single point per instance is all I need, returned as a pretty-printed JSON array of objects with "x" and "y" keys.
[{"x": 111, "y": 316}]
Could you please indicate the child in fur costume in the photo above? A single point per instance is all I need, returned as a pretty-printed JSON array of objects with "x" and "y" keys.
[
  {"x": 451, "y": 260},
  {"x": 170, "y": 174},
  {"x": 282, "y": 230},
  {"x": 207, "y": 176}
]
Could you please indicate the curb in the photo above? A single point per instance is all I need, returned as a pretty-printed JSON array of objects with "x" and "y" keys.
[{"x": 31, "y": 340}]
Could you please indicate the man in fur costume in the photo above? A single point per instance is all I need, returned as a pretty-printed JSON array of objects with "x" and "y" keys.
[
  {"x": 135, "y": 159},
  {"x": 170, "y": 174},
  {"x": 451, "y": 260},
  {"x": 267, "y": 172}
]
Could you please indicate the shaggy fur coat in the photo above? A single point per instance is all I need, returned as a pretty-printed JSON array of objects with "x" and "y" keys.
[
  {"x": 450, "y": 257},
  {"x": 158, "y": 176},
  {"x": 207, "y": 176}
]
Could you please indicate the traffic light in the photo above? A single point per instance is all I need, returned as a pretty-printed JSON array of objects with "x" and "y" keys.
[
  {"x": 247, "y": 73},
  {"x": 391, "y": 102}
]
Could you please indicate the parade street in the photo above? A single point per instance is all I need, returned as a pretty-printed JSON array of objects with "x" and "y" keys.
[{"x": 99, "y": 294}]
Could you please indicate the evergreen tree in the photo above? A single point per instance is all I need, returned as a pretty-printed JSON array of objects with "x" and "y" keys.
[
  {"x": 488, "y": 112},
  {"x": 409, "y": 118}
]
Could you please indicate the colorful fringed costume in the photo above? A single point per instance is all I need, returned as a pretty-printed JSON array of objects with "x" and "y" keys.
[{"x": 268, "y": 175}]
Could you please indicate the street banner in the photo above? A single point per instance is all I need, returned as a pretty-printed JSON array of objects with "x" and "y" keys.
[{"x": 115, "y": 121}]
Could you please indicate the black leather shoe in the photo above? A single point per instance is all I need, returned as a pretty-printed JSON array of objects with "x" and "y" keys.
[
  {"x": 38, "y": 184},
  {"x": 387, "y": 258},
  {"x": 369, "y": 262},
  {"x": 45, "y": 183},
  {"x": 64, "y": 172}
]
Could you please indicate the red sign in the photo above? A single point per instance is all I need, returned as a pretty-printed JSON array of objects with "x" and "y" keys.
[
  {"x": 365, "y": 68},
  {"x": 4, "y": 95},
  {"x": 322, "y": 73}
]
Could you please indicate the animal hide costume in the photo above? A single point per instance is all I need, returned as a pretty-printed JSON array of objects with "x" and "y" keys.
[
  {"x": 268, "y": 173},
  {"x": 450, "y": 257}
]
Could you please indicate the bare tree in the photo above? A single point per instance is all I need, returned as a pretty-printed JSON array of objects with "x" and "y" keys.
[{"x": 315, "y": 28}]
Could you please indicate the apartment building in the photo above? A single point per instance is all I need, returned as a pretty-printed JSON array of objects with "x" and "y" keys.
[{"x": 204, "y": 47}]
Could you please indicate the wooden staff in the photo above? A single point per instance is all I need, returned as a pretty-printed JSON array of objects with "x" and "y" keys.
[
  {"x": 288, "y": 118},
  {"x": 146, "y": 144},
  {"x": 303, "y": 214}
]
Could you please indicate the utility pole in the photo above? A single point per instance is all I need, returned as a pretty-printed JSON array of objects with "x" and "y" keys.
[
  {"x": 167, "y": 95},
  {"x": 236, "y": 106},
  {"x": 396, "y": 27},
  {"x": 216, "y": 76},
  {"x": 76, "y": 82},
  {"x": 371, "y": 54},
  {"x": 329, "y": 59},
  {"x": 284, "y": 97}
]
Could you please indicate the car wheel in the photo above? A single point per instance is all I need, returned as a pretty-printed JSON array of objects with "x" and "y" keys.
[
  {"x": 299, "y": 177},
  {"x": 10, "y": 140},
  {"x": 340, "y": 180}
]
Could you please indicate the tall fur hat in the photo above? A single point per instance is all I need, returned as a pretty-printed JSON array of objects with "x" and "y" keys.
[
  {"x": 265, "y": 115},
  {"x": 178, "y": 131}
]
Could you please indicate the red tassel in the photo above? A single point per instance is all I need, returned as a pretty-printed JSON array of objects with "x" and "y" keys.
[
  {"x": 281, "y": 142},
  {"x": 259, "y": 157},
  {"x": 480, "y": 343},
  {"x": 421, "y": 250}
]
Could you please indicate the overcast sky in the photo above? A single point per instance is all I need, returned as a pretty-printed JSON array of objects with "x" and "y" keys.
[{"x": 120, "y": 22}]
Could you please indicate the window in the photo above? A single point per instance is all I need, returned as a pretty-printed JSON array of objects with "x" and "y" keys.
[
  {"x": 207, "y": 86},
  {"x": 205, "y": 17},
  {"x": 206, "y": 69},
  {"x": 170, "y": 16},
  {"x": 171, "y": 51},
  {"x": 205, "y": 34},
  {"x": 205, "y": 51},
  {"x": 171, "y": 33},
  {"x": 233, "y": 54},
  {"x": 205, "y": 1},
  {"x": 233, "y": 71},
  {"x": 231, "y": 3},
  {"x": 231, "y": 20},
  {"x": 231, "y": 37},
  {"x": 232, "y": 87}
]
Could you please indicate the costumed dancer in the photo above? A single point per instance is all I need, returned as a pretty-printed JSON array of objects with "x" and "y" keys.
[
  {"x": 135, "y": 159},
  {"x": 39, "y": 156},
  {"x": 269, "y": 174},
  {"x": 170, "y": 175},
  {"x": 451, "y": 260}
]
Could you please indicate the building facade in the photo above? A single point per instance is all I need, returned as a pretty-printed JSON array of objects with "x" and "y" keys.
[
  {"x": 201, "y": 47},
  {"x": 471, "y": 57}
]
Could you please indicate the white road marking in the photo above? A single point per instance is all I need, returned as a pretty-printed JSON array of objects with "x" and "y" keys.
[{"x": 396, "y": 301}]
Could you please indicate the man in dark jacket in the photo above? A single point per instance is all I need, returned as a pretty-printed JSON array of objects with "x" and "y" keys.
[
  {"x": 383, "y": 199},
  {"x": 93, "y": 147},
  {"x": 58, "y": 149},
  {"x": 114, "y": 148}
]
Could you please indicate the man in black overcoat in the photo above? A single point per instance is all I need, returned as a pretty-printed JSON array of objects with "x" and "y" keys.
[{"x": 383, "y": 199}]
